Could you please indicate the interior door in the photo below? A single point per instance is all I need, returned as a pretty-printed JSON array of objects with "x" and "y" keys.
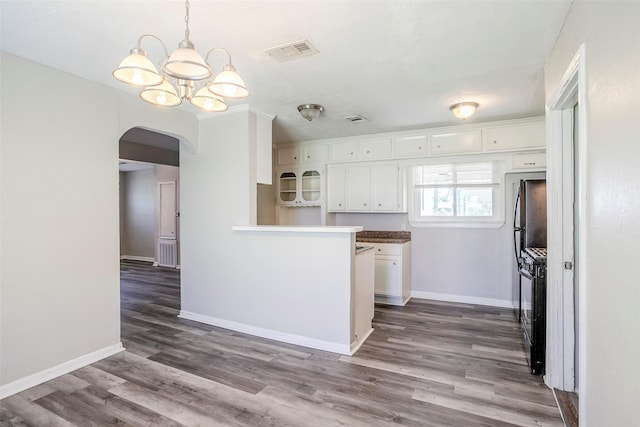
[{"x": 167, "y": 210}]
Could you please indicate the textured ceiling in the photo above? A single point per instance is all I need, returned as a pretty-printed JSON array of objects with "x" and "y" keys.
[{"x": 400, "y": 64}]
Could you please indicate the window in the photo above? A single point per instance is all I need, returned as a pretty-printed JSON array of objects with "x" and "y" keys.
[{"x": 458, "y": 194}]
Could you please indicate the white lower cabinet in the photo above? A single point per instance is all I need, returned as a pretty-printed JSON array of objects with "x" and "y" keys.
[{"x": 392, "y": 272}]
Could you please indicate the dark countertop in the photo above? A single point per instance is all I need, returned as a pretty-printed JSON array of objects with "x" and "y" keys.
[{"x": 372, "y": 236}]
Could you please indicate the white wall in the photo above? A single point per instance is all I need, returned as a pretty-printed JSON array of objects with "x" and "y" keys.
[
  {"x": 59, "y": 219},
  {"x": 610, "y": 380}
]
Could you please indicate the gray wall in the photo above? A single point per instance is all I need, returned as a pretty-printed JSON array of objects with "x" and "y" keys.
[
  {"x": 138, "y": 207},
  {"x": 610, "y": 376},
  {"x": 58, "y": 219}
]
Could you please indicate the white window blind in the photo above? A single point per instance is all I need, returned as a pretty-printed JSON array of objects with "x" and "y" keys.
[{"x": 457, "y": 194}]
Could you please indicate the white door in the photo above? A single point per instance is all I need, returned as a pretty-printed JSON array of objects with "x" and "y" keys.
[{"x": 168, "y": 214}]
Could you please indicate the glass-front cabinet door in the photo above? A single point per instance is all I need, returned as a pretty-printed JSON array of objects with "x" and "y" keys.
[
  {"x": 288, "y": 187},
  {"x": 300, "y": 187},
  {"x": 311, "y": 186}
]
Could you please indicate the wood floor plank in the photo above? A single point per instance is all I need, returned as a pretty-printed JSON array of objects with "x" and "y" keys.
[{"x": 427, "y": 364}]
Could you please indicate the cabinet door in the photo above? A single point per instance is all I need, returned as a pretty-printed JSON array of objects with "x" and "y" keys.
[
  {"x": 456, "y": 143},
  {"x": 344, "y": 151},
  {"x": 287, "y": 187},
  {"x": 386, "y": 188},
  {"x": 310, "y": 186},
  {"x": 359, "y": 188},
  {"x": 288, "y": 156},
  {"x": 387, "y": 277},
  {"x": 337, "y": 188},
  {"x": 372, "y": 149},
  {"x": 410, "y": 146},
  {"x": 513, "y": 137},
  {"x": 314, "y": 154}
]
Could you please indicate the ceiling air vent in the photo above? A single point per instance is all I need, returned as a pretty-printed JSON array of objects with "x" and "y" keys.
[
  {"x": 355, "y": 118},
  {"x": 289, "y": 51}
]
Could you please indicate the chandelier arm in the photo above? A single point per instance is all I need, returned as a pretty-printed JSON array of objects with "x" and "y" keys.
[
  {"x": 206, "y": 59},
  {"x": 164, "y": 47}
]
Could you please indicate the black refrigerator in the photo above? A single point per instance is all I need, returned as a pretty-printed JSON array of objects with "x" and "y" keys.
[{"x": 530, "y": 244}]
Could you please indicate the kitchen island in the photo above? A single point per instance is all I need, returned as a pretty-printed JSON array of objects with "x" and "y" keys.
[{"x": 301, "y": 285}]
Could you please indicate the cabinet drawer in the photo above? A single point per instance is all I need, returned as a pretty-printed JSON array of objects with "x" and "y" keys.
[
  {"x": 456, "y": 143},
  {"x": 344, "y": 151},
  {"x": 394, "y": 249},
  {"x": 410, "y": 146},
  {"x": 530, "y": 161}
]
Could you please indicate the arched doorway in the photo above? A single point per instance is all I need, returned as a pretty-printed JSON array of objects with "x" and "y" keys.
[{"x": 149, "y": 197}]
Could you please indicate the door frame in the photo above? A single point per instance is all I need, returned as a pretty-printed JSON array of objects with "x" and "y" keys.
[{"x": 560, "y": 355}]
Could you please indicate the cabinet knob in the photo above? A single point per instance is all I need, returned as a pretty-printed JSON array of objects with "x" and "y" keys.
[
  {"x": 365, "y": 204},
  {"x": 495, "y": 142},
  {"x": 420, "y": 147},
  {"x": 339, "y": 204},
  {"x": 379, "y": 250},
  {"x": 368, "y": 151},
  {"x": 394, "y": 263},
  {"x": 352, "y": 153},
  {"x": 379, "y": 204},
  {"x": 295, "y": 158},
  {"x": 308, "y": 157}
]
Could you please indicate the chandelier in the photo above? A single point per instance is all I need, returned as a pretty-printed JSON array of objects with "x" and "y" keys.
[{"x": 184, "y": 76}]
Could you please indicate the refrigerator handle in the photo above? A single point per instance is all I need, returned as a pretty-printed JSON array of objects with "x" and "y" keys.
[{"x": 516, "y": 230}]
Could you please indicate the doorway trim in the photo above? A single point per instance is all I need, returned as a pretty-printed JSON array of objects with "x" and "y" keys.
[{"x": 560, "y": 308}]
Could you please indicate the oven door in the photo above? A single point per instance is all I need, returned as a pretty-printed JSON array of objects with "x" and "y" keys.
[{"x": 526, "y": 303}]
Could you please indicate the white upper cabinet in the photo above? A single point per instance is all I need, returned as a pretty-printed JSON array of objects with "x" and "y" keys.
[
  {"x": 410, "y": 146},
  {"x": 386, "y": 187},
  {"x": 375, "y": 149},
  {"x": 300, "y": 187},
  {"x": 343, "y": 151},
  {"x": 336, "y": 188},
  {"x": 288, "y": 156},
  {"x": 359, "y": 188},
  {"x": 456, "y": 143},
  {"x": 529, "y": 135},
  {"x": 314, "y": 153},
  {"x": 365, "y": 187}
]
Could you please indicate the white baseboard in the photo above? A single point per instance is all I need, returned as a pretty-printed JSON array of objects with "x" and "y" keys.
[
  {"x": 300, "y": 340},
  {"x": 138, "y": 258},
  {"x": 64, "y": 368},
  {"x": 355, "y": 346},
  {"x": 463, "y": 299}
]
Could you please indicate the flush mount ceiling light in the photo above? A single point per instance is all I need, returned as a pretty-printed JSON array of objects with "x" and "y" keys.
[
  {"x": 181, "y": 72},
  {"x": 463, "y": 110},
  {"x": 310, "y": 111}
]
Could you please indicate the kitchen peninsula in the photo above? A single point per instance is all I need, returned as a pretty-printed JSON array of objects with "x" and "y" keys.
[{"x": 313, "y": 289}]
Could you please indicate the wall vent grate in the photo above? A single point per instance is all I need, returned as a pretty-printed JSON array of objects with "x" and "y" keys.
[
  {"x": 167, "y": 253},
  {"x": 293, "y": 50}
]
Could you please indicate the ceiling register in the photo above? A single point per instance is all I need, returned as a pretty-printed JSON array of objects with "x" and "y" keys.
[{"x": 181, "y": 72}]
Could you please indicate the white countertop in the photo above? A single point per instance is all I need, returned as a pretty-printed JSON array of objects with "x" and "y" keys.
[{"x": 298, "y": 229}]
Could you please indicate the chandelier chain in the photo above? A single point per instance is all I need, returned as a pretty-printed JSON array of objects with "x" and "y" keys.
[{"x": 186, "y": 20}]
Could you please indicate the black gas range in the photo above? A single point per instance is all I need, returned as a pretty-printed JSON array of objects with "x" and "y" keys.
[{"x": 533, "y": 306}]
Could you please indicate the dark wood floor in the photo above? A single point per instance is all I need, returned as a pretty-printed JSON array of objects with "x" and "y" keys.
[{"x": 426, "y": 364}]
